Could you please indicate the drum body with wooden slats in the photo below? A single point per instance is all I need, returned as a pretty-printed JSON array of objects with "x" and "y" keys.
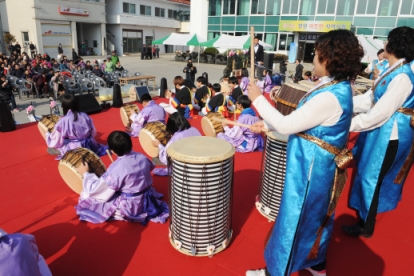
[
  {"x": 273, "y": 175},
  {"x": 126, "y": 112},
  {"x": 210, "y": 126},
  {"x": 72, "y": 159},
  {"x": 201, "y": 185},
  {"x": 288, "y": 97},
  {"x": 150, "y": 132},
  {"x": 47, "y": 124}
]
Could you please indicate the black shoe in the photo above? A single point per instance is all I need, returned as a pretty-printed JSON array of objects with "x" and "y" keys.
[{"x": 356, "y": 231}]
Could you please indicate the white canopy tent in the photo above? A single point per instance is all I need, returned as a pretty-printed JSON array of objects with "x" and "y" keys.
[
  {"x": 232, "y": 42},
  {"x": 371, "y": 47}
]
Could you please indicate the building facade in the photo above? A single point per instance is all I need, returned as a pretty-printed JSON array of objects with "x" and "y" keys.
[
  {"x": 46, "y": 23},
  {"x": 272, "y": 18},
  {"x": 132, "y": 23}
]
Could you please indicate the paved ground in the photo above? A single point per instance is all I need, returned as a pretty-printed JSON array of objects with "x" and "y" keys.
[{"x": 162, "y": 67}]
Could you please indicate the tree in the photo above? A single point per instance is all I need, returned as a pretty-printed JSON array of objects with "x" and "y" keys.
[{"x": 8, "y": 37}]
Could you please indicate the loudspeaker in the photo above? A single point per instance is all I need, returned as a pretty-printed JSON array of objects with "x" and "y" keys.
[
  {"x": 117, "y": 96},
  {"x": 6, "y": 119},
  {"x": 88, "y": 103},
  {"x": 205, "y": 75},
  {"x": 268, "y": 61},
  {"x": 163, "y": 87}
]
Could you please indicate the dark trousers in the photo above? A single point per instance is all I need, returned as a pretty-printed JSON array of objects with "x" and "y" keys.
[
  {"x": 319, "y": 267},
  {"x": 390, "y": 154}
]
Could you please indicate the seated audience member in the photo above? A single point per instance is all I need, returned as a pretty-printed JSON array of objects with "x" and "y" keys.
[
  {"x": 40, "y": 83},
  {"x": 74, "y": 130},
  {"x": 178, "y": 127},
  {"x": 217, "y": 103},
  {"x": 181, "y": 100},
  {"x": 17, "y": 71},
  {"x": 265, "y": 83},
  {"x": 98, "y": 72},
  {"x": 118, "y": 67},
  {"x": 307, "y": 76},
  {"x": 151, "y": 112},
  {"x": 202, "y": 93},
  {"x": 109, "y": 67},
  {"x": 124, "y": 191},
  {"x": 236, "y": 91},
  {"x": 243, "y": 139},
  {"x": 88, "y": 66},
  {"x": 6, "y": 90},
  {"x": 57, "y": 84},
  {"x": 19, "y": 255}
]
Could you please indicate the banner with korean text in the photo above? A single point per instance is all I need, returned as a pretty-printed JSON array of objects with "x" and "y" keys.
[{"x": 312, "y": 26}]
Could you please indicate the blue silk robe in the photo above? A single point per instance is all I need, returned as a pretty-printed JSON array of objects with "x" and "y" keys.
[
  {"x": 369, "y": 153},
  {"x": 309, "y": 179}
]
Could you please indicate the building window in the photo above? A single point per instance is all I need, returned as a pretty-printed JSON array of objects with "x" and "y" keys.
[
  {"x": 367, "y": 7},
  {"x": 128, "y": 8},
  {"x": 388, "y": 7},
  {"x": 284, "y": 41},
  {"x": 25, "y": 36},
  {"x": 327, "y": 6},
  {"x": 159, "y": 12},
  {"x": 243, "y": 7},
  {"x": 308, "y": 7},
  {"x": 407, "y": 7},
  {"x": 290, "y": 6},
  {"x": 96, "y": 1},
  {"x": 172, "y": 14},
  {"x": 144, "y": 10},
  {"x": 258, "y": 7},
  {"x": 273, "y": 7},
  {"x": 345, "y": 7},
  {"x": 271, "y": 39},
  {"x": 214, "y": 7},
  {"x": 229, "y": 6}
]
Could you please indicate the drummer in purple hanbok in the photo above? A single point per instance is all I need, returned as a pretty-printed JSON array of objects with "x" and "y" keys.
[
  {"x": 124, "y": 191},
  {"x": 19, "y": 255},
  {"x": 242, "y": 138},
  {"x": 72, "y": 131},
  {"x": 178, "y": 127},
  {"x": 151, "y": 112},
  {"x": 266, "y": 83},
  {"x": 244, "y": 82}
]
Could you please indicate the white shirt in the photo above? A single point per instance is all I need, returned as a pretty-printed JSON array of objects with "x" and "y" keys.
[
  {"x": 397, "y": 93},
  {"x": 371, "y": 66},
  {"x": 256, "y": 47},
  {"x": 323, "y": 109}
]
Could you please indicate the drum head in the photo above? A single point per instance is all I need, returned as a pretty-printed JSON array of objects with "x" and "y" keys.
[
  {"x": 208, "y": 127},
  {"x": 277, "y": 136},
  {"x": 298, "y": 86},
  {"x": 201, "y": 150},
  {"x": 43, "y": 129},
  {"x": 145, "y": 139},
  {"x": 306, "y": 83},
  {"x": 71, "y": 177}
]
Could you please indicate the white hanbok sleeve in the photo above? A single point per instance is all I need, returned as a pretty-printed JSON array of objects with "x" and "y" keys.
[
  {"x": 56, "y": 138},
  {"x": 362, "y": 103},
  {"x": 95, "y": 187}
]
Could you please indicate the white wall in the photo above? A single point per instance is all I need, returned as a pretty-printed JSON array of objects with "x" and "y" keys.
[{"x": 199, "y": 18}]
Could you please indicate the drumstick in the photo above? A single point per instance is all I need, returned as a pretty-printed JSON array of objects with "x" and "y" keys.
[
  {"x": 110, "y": 156},
  {"x": 230, "y": 122}
]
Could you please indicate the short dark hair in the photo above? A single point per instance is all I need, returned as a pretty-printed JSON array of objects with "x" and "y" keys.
[
  {"x": 177, "y": 122},
  {"x": 380, "y": 52},
  {"x": 308, "y": 73},
  {"x": 202, "y": 80},
  {"x": 401, "y": 43},
  {"x": 298, "y": 60},
  {"x": 244, "y": 72},
  {"x": 233, "y": 80},
  {"x": 216, "y": 87},
  {"x": 178, "y": 80},
  {"x": 244, "y": 101},
  {"x": 70, "y": 102},
  {"x": 120, "y": 142},
  {"x": 145, "y": 98},
  {"x": 256, "y": 37},
  {"x": 341, "y": 51}
]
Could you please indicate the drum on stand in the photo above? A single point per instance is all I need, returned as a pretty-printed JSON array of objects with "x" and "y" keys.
[
  {"x": 288, "y": 97},
  {"x": 212, "y": 127},
  {"x": 273, "y": 175},
  {"x": 200, "y": 187},
  {"x": 47, "y": 124},
  {"x": 150, "y": 132},
  {"x": 126, "y": 111},
  {"x": 72, "y": 159}
]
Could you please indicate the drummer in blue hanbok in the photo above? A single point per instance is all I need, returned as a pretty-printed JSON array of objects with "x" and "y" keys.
[
  {"x": 178, "y": 127},
  {"x": 242, "y": 138},
  {"x": 377, "y": 66},
  {"x": 72, "y": 131},
  {"x": 384, "y": 152},
  {"x": 19, "y": 255},
  {"x": 318, "y": 132},
  {"x": 151, "y": 112},
  {"x": 124, "y": 191}
]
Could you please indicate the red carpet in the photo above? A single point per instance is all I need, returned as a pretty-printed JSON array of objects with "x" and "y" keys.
[{"x": 35, "y": 200}]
